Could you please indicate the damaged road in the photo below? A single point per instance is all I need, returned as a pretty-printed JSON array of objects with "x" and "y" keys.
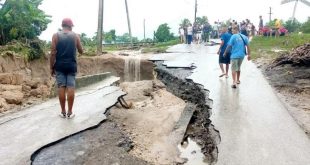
[
  {"x": 254, "y": 125},
  {"x": 26, "y": 132}
]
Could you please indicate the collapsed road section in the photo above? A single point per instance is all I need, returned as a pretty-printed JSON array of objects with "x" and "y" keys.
[{"x": 200, "y": 128}]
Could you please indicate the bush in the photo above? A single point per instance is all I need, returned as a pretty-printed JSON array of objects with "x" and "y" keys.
[
  {"x": 32, "y": 50},
  {"x": 305, "y": 28},
  {"x": 36, "y": 50}
]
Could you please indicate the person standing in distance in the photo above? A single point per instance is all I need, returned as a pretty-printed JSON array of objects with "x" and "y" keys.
[
  {"x": 238, "y": 45},
  {"x": 63, "y": 64}
]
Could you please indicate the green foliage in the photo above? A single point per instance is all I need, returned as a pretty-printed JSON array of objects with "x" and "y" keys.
[
  {"x": 292, "y": 25},
  {"x": 163, "y": 33},
  {"x": 110, "y": 36},
  {"x": 36, "y": 50},
  {"x": 33, "y": 49},
  {"x": 306, "y": 26},
  {"x": 201, "y": 20},
  {"x": 21, "y": 19},
  {"x": 125, "y": 38},
  {"x": 86, "y": 41},
  {"x": 185, "y": 22}
]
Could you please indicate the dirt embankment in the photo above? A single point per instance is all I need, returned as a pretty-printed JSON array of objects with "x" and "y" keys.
[
  {"x": 25, "y": 83},
  {"x": 290, "y": 75}
]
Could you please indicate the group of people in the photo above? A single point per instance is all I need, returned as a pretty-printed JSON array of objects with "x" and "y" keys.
[
  {"x": 277, "y": 30},
  {"x": 233, "y": 48},
  {"x": 195, "y": 33},
  {"x": 246, "y": 27}
]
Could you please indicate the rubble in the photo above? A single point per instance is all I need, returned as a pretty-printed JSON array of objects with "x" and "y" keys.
[{"x": 300, "y": 56}]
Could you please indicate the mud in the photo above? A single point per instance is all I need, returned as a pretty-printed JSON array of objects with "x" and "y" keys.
[
  {"x": 200, "y": 128},
  {"x": 105, "y": 145}
]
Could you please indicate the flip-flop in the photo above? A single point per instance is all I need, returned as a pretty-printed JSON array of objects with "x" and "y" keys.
[
  {"x": 70, "y": 116},
  {"x": 238, "y": 82},
  {"x": 222, "y": 75},
  {"x": 62, "y": 115}
]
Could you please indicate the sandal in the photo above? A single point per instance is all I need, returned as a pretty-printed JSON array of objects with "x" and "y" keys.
[
  {"x": 234, "y": 86},
  {"x": 62, "y": 115},
  {"x": 222, "y": 75},
  {"x": 70, "y": 116},
  {"x": 238, "y": 82}
]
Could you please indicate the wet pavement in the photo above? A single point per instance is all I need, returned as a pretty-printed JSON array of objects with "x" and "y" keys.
[
  {"x": 254, "y": 125},
  {"x": 24, "y": 132}
]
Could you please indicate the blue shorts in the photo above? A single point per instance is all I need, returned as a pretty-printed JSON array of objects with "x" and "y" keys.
[
  {"x": 65, "y": 80},
  {"x": 224, "y": 60}
]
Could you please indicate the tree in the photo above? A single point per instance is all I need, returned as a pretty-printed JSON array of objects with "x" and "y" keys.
[
  {"x": 21, "y": 19},
  {"x": 125, "y": 38},
  {"x": 306, "y": 26},
  {"x": 184, "y": 22},
  {"x": 110, "y": 36},
  {"x": 86, "y": 41},
  {"x": 292, "y": 25},
  {"x": 163, "y": 33},
  {"x": 201, "y": 20}
]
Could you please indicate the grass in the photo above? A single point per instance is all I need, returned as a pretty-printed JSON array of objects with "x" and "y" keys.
[{"x": 265, "y": 47}]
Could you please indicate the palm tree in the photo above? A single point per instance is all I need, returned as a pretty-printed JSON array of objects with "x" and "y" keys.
[{"x": 296, "y": 1}]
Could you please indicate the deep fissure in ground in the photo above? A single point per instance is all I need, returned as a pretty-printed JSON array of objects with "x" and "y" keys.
[{"x": 200, "y": 128}]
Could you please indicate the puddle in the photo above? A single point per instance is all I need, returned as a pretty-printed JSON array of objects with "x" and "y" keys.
[{"x": 192, "y": 152}]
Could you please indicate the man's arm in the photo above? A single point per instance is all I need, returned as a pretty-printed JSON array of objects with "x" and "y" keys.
[
  {"x": 228, "y": 49},
  {"x": 78, "y": 44},
  {"x": 249, "y": 52},
  {"x": 53, "y": 54}
]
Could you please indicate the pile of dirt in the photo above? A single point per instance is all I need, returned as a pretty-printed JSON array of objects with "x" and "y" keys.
[{"x": 300, "y": 56}]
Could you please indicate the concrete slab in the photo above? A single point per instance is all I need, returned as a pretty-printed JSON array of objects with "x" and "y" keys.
[
  {"x": 24, "y": 132},
  {"x": 254, "y": 125}
]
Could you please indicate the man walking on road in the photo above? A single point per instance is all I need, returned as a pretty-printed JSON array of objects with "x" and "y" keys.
[
  {"x": 238, "y": 45},
  {"x": 225, "y": 37},
  {"x": 63, "y": 64}
]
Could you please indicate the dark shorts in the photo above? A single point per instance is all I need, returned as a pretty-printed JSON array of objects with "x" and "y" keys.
[
  {"x": 224, "y": 60},
  {"x": 65, "y": 80}
]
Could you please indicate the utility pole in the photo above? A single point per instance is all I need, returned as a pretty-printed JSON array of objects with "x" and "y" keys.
[
  {"x": 270, "y": 14},
  {"x": 128, "y": 21},
  {"x": 100, "y": 28},
  {"x": 144, "y": 29},
  {"x": 294, "y": 11},
  {"x": 195, "y": 11}
]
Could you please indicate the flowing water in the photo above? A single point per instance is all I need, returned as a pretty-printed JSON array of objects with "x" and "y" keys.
[
  {"x": 132, "y": 69},
  {"x": 191, "y": 151}
]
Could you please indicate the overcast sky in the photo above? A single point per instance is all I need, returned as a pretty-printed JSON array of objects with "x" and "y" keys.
[{"x": 84, "y": 13}]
